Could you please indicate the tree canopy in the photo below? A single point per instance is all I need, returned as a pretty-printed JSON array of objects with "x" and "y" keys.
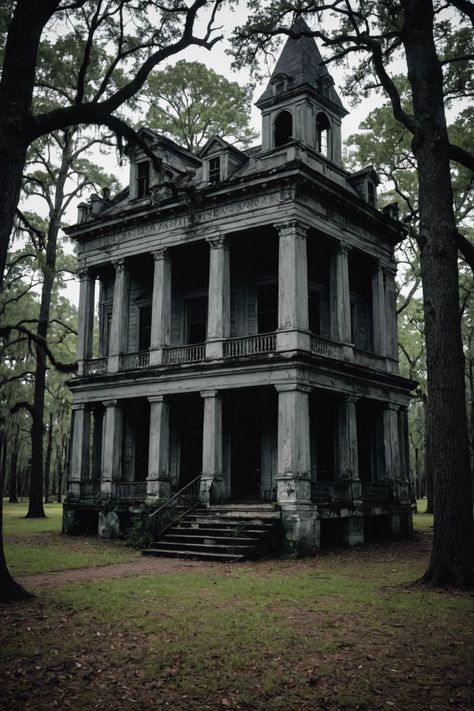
[{"x": 190, "y": 103}]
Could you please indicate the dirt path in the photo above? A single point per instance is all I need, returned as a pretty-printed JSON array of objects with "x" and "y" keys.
[{"x": 143, "y": 566}]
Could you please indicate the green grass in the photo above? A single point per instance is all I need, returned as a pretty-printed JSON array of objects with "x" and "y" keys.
[
  {"x": 37, "y": 546},
  {"x": 14, "y": 521},
  {"x": 421, "y": 520}
]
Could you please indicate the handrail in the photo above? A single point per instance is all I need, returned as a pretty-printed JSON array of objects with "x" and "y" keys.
[{"x": 185, "y": 500}]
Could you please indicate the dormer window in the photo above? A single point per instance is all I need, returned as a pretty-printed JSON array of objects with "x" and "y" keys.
[
  {"x": 323, "y": 126},
  {"x": 143, "y": 178},
  {"x": 215, "y": 170}
]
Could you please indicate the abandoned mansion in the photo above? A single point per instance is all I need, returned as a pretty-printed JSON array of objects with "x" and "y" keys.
[{"x": 238, "y": 336}]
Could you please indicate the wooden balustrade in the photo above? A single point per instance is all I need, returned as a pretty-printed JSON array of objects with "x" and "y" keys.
[
  {"x": 331, "y": 492},
  {"x": 326, "y": 348},
  {"x": 376, "y": 491},
  {"x": 133, "y": 361},
  {"x": 95, "y": 366},
  {"x": 249, "y": 345},
  {"x": 185, "y": 354},
  {"x": 129, "y": 490}
]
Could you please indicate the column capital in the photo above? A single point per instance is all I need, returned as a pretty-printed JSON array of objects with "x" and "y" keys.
[
  {"x": 210, "y": 393},
  {"x": 83, "y": 273},
  {"x": 352, "y": 398},
  {"x": 218, "y": 241},
  {"x": 78, "y": 406},
  {"x": 393, "y": 406},
  {"x": 390, "y": 270},
  {"x": 292, "y": 227},
  {"x": 161, "y": 253},
  {"x": 156, "y": 398},
  {"x": 110, "y": 403},
  {"x": 291, "y": 387},
  {"x": 118, "y": 265},
  {"x": 343, "y": 247}
]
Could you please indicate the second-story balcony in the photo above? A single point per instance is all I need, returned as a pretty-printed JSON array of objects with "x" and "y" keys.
[{"x": 238, "y": 348}]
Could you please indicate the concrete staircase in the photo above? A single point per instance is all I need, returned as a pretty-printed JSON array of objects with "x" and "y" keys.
[{"x": 225, "y": 533}]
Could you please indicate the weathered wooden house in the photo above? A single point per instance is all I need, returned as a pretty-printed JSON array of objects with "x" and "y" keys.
[{"x": 246, "y": 332}]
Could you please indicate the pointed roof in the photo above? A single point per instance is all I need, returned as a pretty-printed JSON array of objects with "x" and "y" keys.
[{"x": 302, "y": 63}]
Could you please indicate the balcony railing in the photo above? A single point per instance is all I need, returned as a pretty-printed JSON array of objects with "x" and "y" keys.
[
  {"x": 132, "y": 361},
  {"x": 249, "y": 345},
  {"x": 324, "y": 347},
  {"x": 129, "y": 490},
  {"x": 89, "y": 488},
  {"x": 331, "y": 492},
  {"x": 185, "y": 354},
  {"x": 95, "y": 366},
  {"x": 376, "y": 492}
]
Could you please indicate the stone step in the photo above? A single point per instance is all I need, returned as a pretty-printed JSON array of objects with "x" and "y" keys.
[
  {"x": 172, "y": 536},
  {"x": 202, "y": 530},
  {"x": 219, "y": 524},
  {"x": 200, "y": 555}
]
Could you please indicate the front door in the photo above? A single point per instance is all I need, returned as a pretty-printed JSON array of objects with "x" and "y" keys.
[{"x": 246, "y": 455}]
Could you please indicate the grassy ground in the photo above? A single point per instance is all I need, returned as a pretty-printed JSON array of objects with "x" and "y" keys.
[
  {"x": 37, "y": 546},
  {"x": 346, "y": 629}
]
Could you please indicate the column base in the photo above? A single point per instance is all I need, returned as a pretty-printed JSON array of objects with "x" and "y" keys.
[
  {"x": 353, "y": 530},
  {"x": 74, "y": 489},
  {"x": 106, "y": 487},
  {"x": 158, "y": 488},
  {"x": 157, "y": 356},
  {"x": 301, "y": 526},
  {"x": 293, "y": 489},
  {"x": 113, "y": 363},
  {"x": 214, "y": 349},
  {"x": 211, "y": 489},
  {"x": 293, "y": 341}
]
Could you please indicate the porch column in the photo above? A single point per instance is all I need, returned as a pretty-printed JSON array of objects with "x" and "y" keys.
[
  {"x": 391, "y": 329},
  {"x": 158, "y": 480},
  {"x": 391, "y": 441},
  {"x": 161, "y": 306},
  {"x": 292, "y": 287},
  {"x": 211, "y": 447},
  {"x": 404, "y": 442},
  {"x": 85, "y": 324},
  {"x": 218, "y": 317},
  {"x": 80, "y": 448},
  {"x": 378, "y": 310},
  {"x": 118, "y": 327},
  {"x": 340, "y": 298},
  {"x": 348, "y": 457},
  {"x": 299, "y": 514},
  {"x": 112, "y": 446}
]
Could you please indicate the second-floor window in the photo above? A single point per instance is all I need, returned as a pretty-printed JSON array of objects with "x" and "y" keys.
[
  {"x": 215, "y": 170},
  {"x": 144, "y": 327},
  {"x": 143, "y": 178},
  {"x": 267, "y": 308}
]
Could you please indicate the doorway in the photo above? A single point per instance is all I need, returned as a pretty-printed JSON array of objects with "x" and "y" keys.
[{"x": 246, "y": 455}]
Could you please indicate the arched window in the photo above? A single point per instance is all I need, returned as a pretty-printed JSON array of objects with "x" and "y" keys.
[
  {"x": 283, "y": 128},
  {"x": 323, "y": 128}
]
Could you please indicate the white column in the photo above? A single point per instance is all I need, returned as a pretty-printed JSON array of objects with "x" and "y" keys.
[
  {"x": 158, "y": 480},
  {"x": 211, "y": 447},
  {"x": 85, "y": 326},
  {"x": 391, "y": 442},
  {"x": 294, "y": 457},
  {"x": 292, "y": 287},
  {"x": 218, "y": 317},
  {"x": 112, "y": 449},
  {"x": 161, "y": 306},
  {"x": 80, "y": 448},
  {"x": 348, "y": 464},
  {"x": 378, "y": 310},
  {"x": 118, "y": 328},
  {"x": 391, "y": 318},
  {"x": 340, "y": 298}
]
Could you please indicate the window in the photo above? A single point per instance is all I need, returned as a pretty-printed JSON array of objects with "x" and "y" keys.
[
  {"x": 283, "y": 128},
  {"x": 323, "y": 127},
  {"x": 215, "y": 170},
  {"x": 143, "y": 178},
  {"x": 196, "y": 320},
  {"x": 144, "y": 327},
  {"x": 267, "y": 308}
]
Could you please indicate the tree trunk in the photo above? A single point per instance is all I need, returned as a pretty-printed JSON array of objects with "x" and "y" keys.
[
  {"x": 36, "y": 508},
  {"x": 452, "y": 561},
  {"x": 13, "y": 484},
  {"x": 47, "y": 466},
  {"x": 427, "y": 462},
  {"x": 9, "y": 589}
]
